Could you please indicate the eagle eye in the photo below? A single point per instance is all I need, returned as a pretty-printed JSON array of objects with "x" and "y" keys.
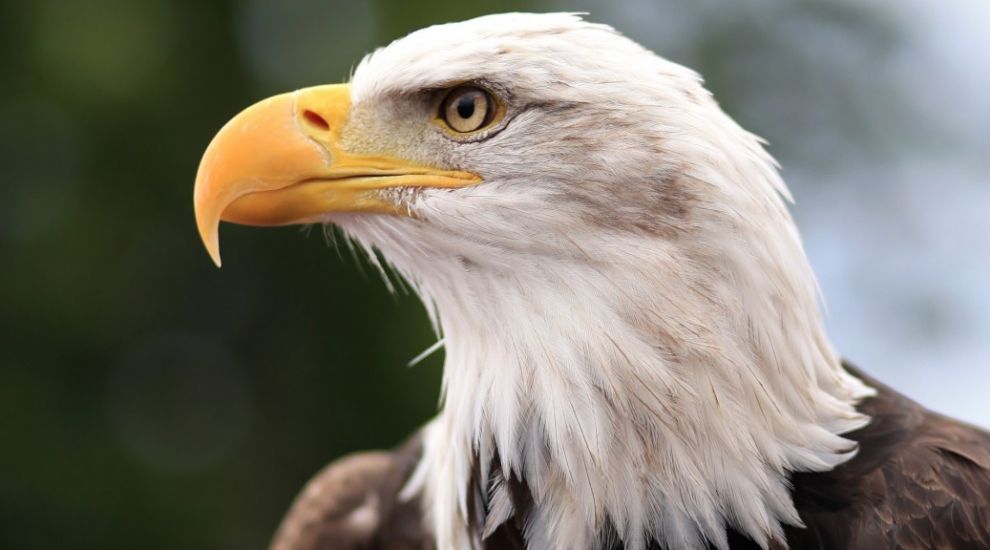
[{"x": 467, "y": 109}]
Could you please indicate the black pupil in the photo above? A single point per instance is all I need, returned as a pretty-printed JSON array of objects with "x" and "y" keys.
[{"x": 465, "y": 106}]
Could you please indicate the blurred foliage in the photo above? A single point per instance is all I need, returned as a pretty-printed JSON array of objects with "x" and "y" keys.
[{"x": 149, "y": 400}]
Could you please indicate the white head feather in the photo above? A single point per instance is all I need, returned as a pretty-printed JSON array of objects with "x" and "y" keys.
[{"x": 630, "y": 321}]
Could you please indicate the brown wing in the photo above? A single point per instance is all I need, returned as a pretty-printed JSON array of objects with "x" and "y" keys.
[
  {"x": 920, "y": 480},
  {"x": 353, "y": 504}
]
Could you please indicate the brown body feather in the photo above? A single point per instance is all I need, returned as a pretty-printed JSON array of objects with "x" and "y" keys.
[
  {"x": 919, "y": 481},
  {"x": 354, "y": 504}
]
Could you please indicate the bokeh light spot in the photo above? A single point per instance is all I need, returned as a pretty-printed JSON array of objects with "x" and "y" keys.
[{"x": 179, "y": 403}]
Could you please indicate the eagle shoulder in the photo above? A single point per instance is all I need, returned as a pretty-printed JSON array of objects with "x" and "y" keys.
[
  {"x": 353, "y": 503},
  {"x": 920, "y": 480}
]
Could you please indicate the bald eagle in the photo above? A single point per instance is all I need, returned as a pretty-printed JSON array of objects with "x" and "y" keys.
[{"x": 635, "y": 355}]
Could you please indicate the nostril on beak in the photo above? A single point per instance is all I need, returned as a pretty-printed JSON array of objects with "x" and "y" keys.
[{"x": 315, "y": 120}]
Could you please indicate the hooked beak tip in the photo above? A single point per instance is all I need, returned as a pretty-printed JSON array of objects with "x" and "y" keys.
[{"x": 209, "y": 233}]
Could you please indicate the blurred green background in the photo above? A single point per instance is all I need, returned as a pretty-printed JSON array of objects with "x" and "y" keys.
[{"x": 149, "y": 400}]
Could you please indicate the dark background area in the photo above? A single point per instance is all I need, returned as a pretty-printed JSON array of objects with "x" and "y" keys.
[{"x": 149, "y": 400}]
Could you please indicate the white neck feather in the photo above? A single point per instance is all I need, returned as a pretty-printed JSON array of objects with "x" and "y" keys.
[{"x": 641, "y": 392}]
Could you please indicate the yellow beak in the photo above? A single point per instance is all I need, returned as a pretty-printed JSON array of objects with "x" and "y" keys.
[{"x": 279, "y": 162}]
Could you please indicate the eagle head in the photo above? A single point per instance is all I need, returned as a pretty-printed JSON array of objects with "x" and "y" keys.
[{"x": 630, "y": 321}]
